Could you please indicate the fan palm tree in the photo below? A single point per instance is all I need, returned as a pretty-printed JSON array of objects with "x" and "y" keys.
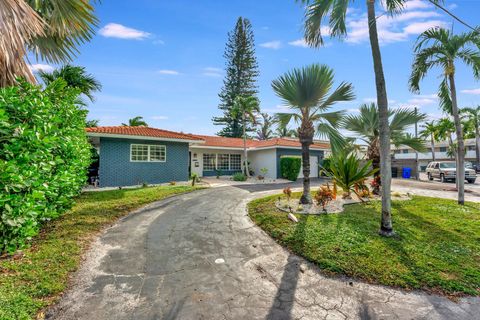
[
  {"x": 246, "y": 107},
  {"x": 92, "y": 123},
  {"x": 336, "y": 10},
  {"x": 51, "y": 29},
  {"x": 265, "y": 131},
  {"x": 430, "y": 130},
  {"x": 473, "y": 117},
  {"x": 307, "y": 92},
  {"x": 367, "y": 128},
  {"x": 438, "y": 47},
  {"x": 136, "y": 122},
  {"x": 75, "y": 77}
]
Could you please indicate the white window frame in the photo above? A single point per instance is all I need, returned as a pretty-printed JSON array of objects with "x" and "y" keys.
[{"x": 148, "y": 152}]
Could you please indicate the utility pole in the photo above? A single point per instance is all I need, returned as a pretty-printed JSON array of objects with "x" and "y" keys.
[{"x": 417, "y": 169}]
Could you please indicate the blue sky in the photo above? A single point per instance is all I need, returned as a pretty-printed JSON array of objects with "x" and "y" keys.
[{"x": 163, "y": 60}]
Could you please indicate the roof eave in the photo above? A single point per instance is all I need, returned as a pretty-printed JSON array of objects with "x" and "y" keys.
[{"x": 137, "y": 137}]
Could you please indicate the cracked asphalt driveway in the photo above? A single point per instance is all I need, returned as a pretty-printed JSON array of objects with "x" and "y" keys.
[{"x": 160, "y": 263}]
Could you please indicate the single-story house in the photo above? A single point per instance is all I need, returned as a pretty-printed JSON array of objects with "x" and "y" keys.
[{"x": 137, "y": 155}]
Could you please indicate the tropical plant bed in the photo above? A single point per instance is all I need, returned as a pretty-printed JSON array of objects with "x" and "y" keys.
[
  {"x": 436, "y": 247},
  {"x": 34, "y": 278}
]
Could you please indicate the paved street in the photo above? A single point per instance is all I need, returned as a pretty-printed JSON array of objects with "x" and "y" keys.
[{"x": 198, "y": 256}]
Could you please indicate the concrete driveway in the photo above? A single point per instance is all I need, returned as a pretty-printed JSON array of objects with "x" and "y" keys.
[{"x": 198, "y": 256}]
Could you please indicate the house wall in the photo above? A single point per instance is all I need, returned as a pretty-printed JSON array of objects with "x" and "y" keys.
[
  {"x": 263, "y": 159},
  {"x": 296, "y": 152},
  {"x": 116, "y": 169},
  {"x": 197, "y": 160}
]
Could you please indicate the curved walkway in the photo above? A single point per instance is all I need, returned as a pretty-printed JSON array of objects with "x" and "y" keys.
[{"x": 163, "y": 263}]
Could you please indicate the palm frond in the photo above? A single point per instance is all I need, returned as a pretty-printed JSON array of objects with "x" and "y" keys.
[
  {"x": 344, "y": 92},
  {"x": 337, "y": 141},
  {"x": 407, "y": 139},
  {"x": 20, "y": 24},
  {"x": 445, "y": 97},
  {"x": 402, "y": 118}
]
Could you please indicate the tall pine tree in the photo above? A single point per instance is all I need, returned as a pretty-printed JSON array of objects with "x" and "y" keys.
[{"x": 240, "y": 79}]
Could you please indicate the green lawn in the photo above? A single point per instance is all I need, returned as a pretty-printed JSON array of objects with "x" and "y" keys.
[
  {"x": 437, "y": 246},
  {"x": 30, "y": 282}
]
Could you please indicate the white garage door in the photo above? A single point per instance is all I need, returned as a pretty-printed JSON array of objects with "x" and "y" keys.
[{"x": 313, "y": 168}]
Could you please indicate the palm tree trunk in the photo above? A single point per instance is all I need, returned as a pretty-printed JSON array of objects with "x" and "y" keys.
[
  {"x": 477, "y": 144},
  {"x": 432, "y": 143},
  {"x": 460, "y": 144},
  {"x": 247, "y": 170},
  {"x": 386, "y": 228},
  {"x": 306, "y": 133}
]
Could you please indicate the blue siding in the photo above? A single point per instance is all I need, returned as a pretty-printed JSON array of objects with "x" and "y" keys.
[
  {"x": 117, "y": 170},
  {"x": 293, "y": 152}
]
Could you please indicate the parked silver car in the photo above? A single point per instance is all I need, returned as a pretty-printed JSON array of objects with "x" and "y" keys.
[{"x": 446, "y": 170}]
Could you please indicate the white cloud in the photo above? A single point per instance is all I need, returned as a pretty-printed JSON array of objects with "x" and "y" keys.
[
  {"x": 392, "y": 29},
  {"x": 278, "y": 108},
  {"x": 159, "y": 118},
  {"x": 354, "y": 110},
  {"x": 471, "y": 91},
  {"x": 299, "y": 43},
  {"x": 169, "y": 72},
  {"x": 419, "y": 27},
  {"x": 275, "y": 45},
  {"x": 421, "y": 101},
  {"x": 159, "y": 42},
  {"x": 212, "y": 72},
  {"x": 416, "y": 4},
  {"x": 41, "y": 67},
  {"x": 115, "y": 30}
]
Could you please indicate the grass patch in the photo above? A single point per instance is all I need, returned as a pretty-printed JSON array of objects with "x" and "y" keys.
[
  {"x": 437, "y": 247},
  {"x": 32, "y": 281}
]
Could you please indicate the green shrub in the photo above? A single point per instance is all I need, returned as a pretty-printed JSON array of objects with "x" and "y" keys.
[
  {"x": 44, "y": 155},
  {"x": 290, "y": 167},
  {"x": 239, "y": 177},
  {"x": 325, "y": 165}
]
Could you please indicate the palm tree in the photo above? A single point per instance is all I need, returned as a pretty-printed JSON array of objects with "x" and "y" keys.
[
  {"x": 307, "y": 92},
  {"x": 247, "y": 107},
  {"x": 430, "y": 130},
  {"x": 438, "y": 47},
  {"x": 336, "y": 10},
  {"x": 284, "y": 132},
  {"x": 473, "y": 117},
  {"x": 367, "y": 128},
  {"x": 51, "y": 29},
  {"x": 92, "y": 123},
  {"x": 75, "y": 77},
  {"x": 265, "y": 128},
  {"x": 136, "y": 122}
]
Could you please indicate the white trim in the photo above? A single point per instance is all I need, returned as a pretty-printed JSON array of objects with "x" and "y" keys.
[
  {"x": 148, "y": 152},
  {"x": 255, "y": 148},
  {"x": 285, "y": 147},
  {"x": 126, "y": 136}
]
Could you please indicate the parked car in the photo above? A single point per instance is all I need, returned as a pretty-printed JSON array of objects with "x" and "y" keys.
[
  {"x": 476, "y": 167},
  {"x": 447, "y": 170}
]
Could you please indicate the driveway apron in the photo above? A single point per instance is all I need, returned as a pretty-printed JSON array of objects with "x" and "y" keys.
[{"x": 199, "y": 256}]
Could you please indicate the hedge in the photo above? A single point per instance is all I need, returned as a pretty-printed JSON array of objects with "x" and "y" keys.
[
  {"x": 44, "y": 155},
  {"x": 290, "y": 167}
]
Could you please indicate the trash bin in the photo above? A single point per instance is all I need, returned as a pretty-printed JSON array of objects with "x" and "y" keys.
[
  {"x": 406, "y": 173},
  {"x": 394, "y": 172}
]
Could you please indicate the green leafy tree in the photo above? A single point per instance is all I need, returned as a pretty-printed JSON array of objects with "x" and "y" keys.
[
  {"x": 366, "y": 125},
  {"x": 430, "y": 131},
  {"x": 44, "y": 155},
  {"x": 246, "y": 108},
  {"x": 265, "y": 131},
  {"x": 438, "y": 47},
  {"x": 51, "y": 29},
  {"x": 309, "y": 93},
  {"x": 75, "y": 77},
  {"x": 473, "y": 118},
  {"x": 240, "y": 79},
  {"x": 136, "y": 122}
]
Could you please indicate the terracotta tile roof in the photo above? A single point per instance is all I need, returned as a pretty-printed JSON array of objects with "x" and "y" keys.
[
  {"x": 215, "y": 141},
  {"x": 143, "y": 131}
]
